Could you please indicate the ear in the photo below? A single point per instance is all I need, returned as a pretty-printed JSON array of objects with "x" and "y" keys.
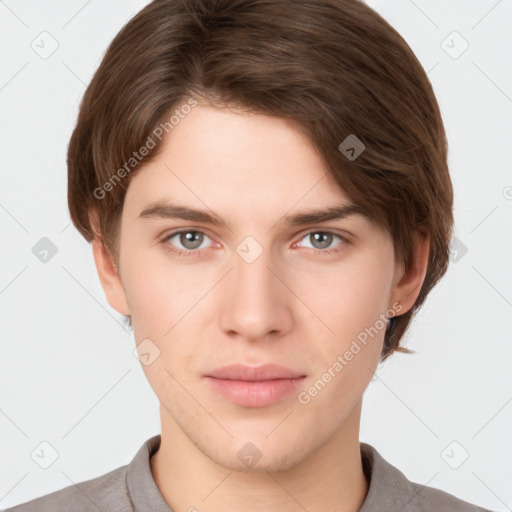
[
  {"x": 108, "y": 273},
  {"x": 407, "y": 285}
]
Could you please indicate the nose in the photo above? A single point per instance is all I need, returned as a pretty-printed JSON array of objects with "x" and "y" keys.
[{"x": 256, "y": 302}]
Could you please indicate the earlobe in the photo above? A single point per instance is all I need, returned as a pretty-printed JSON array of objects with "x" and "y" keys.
[
  {"x": 109, "y": 277},
  {"x": 409, "y": 285}
]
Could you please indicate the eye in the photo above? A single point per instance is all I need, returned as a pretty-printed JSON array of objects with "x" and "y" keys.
[
  {"x": 191, "y": 242},
  {"x": 322, "y": 240}
]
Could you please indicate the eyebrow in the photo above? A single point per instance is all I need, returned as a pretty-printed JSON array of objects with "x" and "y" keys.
[{"x": 165, "y": 210}]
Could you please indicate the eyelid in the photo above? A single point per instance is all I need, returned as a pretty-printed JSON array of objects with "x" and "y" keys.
[
  {"x": 299, "y": 237},
  {"x": 344, "y": 239},
  {"x": 345, "y": 235},
  {"x": 172, "y": 234}
]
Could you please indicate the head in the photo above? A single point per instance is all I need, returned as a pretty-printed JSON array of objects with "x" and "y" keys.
[{"x": 256, "y": 111}]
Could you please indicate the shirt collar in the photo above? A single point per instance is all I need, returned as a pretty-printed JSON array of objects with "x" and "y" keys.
[
  {"x": 389, "y": 489},
  {"x": 142, "y": 487}
]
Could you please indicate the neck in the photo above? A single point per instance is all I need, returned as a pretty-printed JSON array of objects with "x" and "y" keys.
[{"x": 330, "y": 479}]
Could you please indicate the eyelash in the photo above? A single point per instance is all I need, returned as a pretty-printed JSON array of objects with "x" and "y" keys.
[{"x": 185, "y": 253}]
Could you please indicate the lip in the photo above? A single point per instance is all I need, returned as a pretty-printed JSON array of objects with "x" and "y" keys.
[
  {"x": 254, "y": 373},
  {"x": 259, "y": 386}
]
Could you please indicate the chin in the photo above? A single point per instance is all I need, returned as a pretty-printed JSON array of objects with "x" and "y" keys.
[
  {"x": 250, "y": 453},
  {"x": 270, "y": 461}
]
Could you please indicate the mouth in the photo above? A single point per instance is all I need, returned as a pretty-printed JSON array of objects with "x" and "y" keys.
[{"x": 260, "y": 386}]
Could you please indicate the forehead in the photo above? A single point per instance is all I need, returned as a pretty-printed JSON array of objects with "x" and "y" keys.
[{"x": 227, "y": 161}]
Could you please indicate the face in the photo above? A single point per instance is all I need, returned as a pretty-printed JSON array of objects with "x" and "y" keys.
[{"x": 253, "y": 288}]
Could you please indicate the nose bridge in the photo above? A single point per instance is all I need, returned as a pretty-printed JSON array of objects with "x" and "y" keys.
[
  {"x": 252, "y": 269},
  {"x": 257, "y": 303}
]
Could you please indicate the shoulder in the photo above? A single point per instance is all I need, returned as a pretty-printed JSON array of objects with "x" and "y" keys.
[
  {"x": 429, "y": 498},
  {"x": 390, "y": 490},
  {"x": 100, "y": 493},
  {"x": 127, "y": 488}
]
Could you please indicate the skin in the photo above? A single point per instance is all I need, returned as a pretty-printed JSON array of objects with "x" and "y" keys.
[{"x": 293, "y": 305}]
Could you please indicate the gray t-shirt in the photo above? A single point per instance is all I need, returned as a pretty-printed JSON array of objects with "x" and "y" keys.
[{"x": 131, "y": 488}]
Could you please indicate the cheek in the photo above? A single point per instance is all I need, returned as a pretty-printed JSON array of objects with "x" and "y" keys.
[
  {"x": 159, "y": 293},
  {"x": 348, "y": 299},
  {"x": 345, "y": 362},
  {"x": 163, "y": 302},
  {"x": 337, "y": 301}
]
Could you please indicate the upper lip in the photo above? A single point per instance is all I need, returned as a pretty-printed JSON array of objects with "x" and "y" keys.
[{"x": 254, "y": 373}]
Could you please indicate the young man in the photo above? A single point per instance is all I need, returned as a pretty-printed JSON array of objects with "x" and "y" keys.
[{"x": 265, "y": 186}]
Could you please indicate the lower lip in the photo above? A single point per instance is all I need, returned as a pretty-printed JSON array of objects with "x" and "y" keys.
[{"x": 255, "y": 393}]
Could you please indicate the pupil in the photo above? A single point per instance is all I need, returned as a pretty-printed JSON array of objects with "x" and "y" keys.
[
  {"x": 326, "y": 239},
  {"x": 187, "y": 239}
]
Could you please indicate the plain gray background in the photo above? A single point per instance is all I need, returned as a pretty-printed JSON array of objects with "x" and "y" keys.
[{"x": 68, "y": 373}]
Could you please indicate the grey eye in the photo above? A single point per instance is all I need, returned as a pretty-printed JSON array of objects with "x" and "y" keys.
[
  {"x": 321, "y": 240},
  {"x": 191, "y": 239},
  {"x": 187, "y": 240}
]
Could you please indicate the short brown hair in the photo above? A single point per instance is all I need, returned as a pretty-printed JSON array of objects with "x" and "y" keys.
[{"x": 335, "y": 68}]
